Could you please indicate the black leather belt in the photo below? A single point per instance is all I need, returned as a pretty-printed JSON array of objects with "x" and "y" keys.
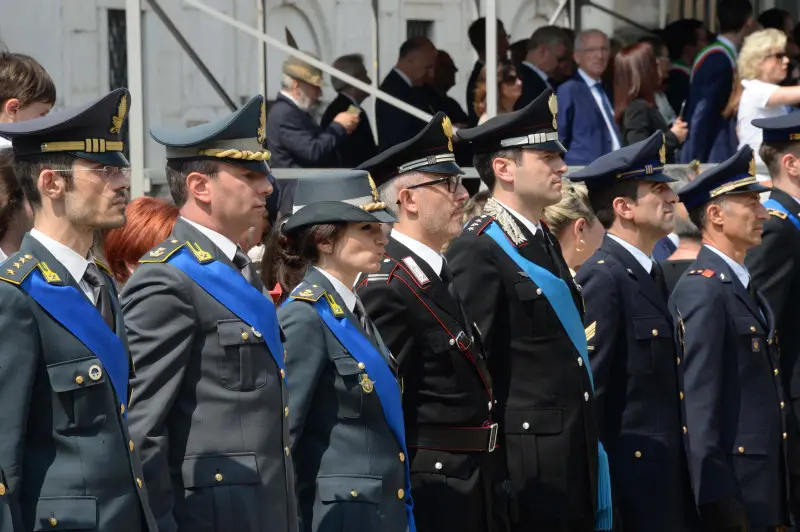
[{"x": 461, "y": 439}]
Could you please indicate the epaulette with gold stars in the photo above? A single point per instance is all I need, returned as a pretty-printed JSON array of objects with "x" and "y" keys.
[
  {"x": 307, "y": 292},
  {"x": 162, "y": 251},
  {"x": 778, "y": 214},
  {"x": 18, "y": 266},
  {"x": 477, "y": 224}
]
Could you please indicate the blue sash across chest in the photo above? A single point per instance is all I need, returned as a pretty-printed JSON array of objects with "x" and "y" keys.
[
  {"x": 71, "y": 309},
  {"x": 560, "y": 298},
  {"x": 774, "y": 204},
  {"x": 232, "y": 290}
]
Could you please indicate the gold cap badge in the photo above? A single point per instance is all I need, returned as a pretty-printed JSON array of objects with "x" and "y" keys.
[
  {"x": 447, "y": 128},
  {"x": 662, "y": 153},
  {"x": 117, "y": 121},
  {"x": 752, "y": 166},
  {"x": 375, "y": 195},
  {"x": 262, "y": 129},
  {"x": 552, "y": 102}
]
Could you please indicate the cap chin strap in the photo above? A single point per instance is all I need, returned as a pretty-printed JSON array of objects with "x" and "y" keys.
[
  {"x": 427, "y": 161},
  {"x": 533, "y": 138}
]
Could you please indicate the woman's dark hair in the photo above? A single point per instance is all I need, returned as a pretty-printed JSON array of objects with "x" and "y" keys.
[
  {"x": 635, "y": 77},
  {"x": 287, "y": 255},
  {"x": 506, "y": 73}
]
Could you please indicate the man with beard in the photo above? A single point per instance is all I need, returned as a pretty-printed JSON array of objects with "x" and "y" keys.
[
  {"x": 630, "y": 337},
  {"x": 447, "y": 394},
  {"x": 735, "y": 411},
  {"x": 209, "y": 407},
  {"x": 66, "y": 459},
  {"x": 293, "y": 136},
  {"x": 514, "y": 282}
]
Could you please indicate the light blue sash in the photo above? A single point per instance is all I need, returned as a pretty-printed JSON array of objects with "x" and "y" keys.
[{"x": 773, "y": 204}]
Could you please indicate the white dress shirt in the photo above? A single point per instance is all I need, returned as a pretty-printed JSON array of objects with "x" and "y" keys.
[
  {"x": 225, "y": 244},
  {"x": 346, "y": 294},
  {"x": 598, "y": 99},
  {"x": 539, "y": 72},
  {"x": 532, "y": 227},
  {"x": 3, "y": 255},
  {"x": 72, "y": 261},
  {"x": 638, "y": 254},
  {"x": 740, "y": 271},
  {"x": 429, "y": 255},
  {"x": 403, "y": 75}
]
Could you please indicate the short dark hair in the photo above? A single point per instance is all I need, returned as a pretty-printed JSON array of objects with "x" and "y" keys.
[
  {"x": 23, "y": 78},
  {"x": 12, "y": 198},
  {"x": 697, "y": 214},
  {"x": 549, "y": 36},
  {"x": 177, "y": 172},
  {"x": 413, "y": 44},
  {"x": 774, "y": 18},
  {"x": 477, "y": 34},
  {"x": 772, "y": 152},
  {"x": 28, "y": 170},
  {"x": 483, "y": 163},
  {"x": 601, "y": 199},
  {"x": 733, "y": 14},
  {"x": 680, "y": 34}
]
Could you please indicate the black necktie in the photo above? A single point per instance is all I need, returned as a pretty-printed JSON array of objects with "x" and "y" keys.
[
  {"x": 361, "y": 313},
  {"x": 97, "y": 283},
  {"x": 245, "y": 265},
  {"x": 658, "y": 277}
]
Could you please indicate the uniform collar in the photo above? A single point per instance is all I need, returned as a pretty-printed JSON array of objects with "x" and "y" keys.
[
  {"x": 345, "y": 293},
  {"x": 429, "y": 255},
  {"x": 638, "y": 254},
  {"x": 225, "y": 244},
  {"x": 72, "y": 261},
  {"x": 740, "y": 271},
  {"x": 539, "y": 71},
  {"x": 403, "y": 75},
  {"x": 532, "y": 227},
  {"x": 353, "y": 100}
]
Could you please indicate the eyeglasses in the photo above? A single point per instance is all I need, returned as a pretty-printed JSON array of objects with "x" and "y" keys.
[
  {"x": 105, "y": 172},
  {"x": 778, "y": 55},
  {"x": 452, "y": 182}
]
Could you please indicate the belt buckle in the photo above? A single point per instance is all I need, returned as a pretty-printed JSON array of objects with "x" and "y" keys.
[
  {"x": 492, "y": 436},
  {"x": 463, "y": 340}
]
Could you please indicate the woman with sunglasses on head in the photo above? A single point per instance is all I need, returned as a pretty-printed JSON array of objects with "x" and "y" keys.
[
  {"x": 761, "y": 66},
  {"x": 509, "y": 89},
  {"x": 345, "y": 411}
]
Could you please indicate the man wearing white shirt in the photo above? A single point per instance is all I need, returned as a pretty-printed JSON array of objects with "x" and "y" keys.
[
  {"x": 447, "y": 398},
  {"x": 547, "y": 48}
]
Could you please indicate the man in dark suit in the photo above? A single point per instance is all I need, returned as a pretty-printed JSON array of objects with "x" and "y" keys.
[
  {"x": 548, "y": 47},
  {"x": 360, "y": 145},
  {"x": 514, "y": 283},
  {"x": 67, "y": 461},
  {"x": 712, "y": 136},
  {"x": 630, "y": 336},
  {"x": 477, "y": 38},
  {"x": 436, "y": 88},
  {"x": 684, "y": 39},
  {"x": 209, "y": 406},
  {"x": 735, "y": 410},
  {"x": 293, "y": 136},
  {"x": 775, "y": 263},
  {"x": 447, "y": 396},
  {"x": 586, "y": 114},
  {"x": 416, "y": 64}
]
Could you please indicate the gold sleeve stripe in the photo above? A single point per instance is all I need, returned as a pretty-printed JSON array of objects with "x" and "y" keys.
[{"x": 590, "y": 330}]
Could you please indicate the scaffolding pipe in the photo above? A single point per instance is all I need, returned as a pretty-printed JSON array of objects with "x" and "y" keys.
[
  {"x": 557, "y": 12},
  {"x": 491, "y": 58},
  {"x": 133, "y": 34}
]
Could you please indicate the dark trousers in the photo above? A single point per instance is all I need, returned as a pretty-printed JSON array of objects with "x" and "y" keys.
[{"x": 580, "y": 525}]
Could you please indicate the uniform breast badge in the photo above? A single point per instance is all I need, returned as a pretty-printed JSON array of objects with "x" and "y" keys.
[{"x": 367, "y": 384}]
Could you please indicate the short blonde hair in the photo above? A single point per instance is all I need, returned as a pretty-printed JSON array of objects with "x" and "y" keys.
[
  {"x": 574, "y": 205},
  {"x": 756, "y": 48}
]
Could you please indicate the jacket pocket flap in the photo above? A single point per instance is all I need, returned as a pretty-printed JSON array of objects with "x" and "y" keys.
[
  {"x": 751, "y": 444},
  {"x": 220, "y": 470},
  {"x": 237, "y": 332},
  {"x": 643, "y": 446},
  {"x": 364, "y": 488},
  {"x": 76, "y": 374},
  {"x": 66, "y": 513},
  {"x": 651, "y": 328},
  {"x": 347, "y": 365},
  {"x": 544, "y": 420},
  {"x": 527, "y": 290},
  {"x": 748, "y": 325}
]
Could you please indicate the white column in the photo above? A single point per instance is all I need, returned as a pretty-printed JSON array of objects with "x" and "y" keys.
[
  {"x": 133, "y": 21},
  {"x": 491, "y": 58}
]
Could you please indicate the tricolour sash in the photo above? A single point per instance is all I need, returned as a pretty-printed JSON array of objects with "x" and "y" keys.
[
  {"x": 560, "y": 298},
  {"x": 71, "y": 309},
  {"x": 713, "y": 48},
  {"x": 232, "y": 290},
  {"x": 774, "y": 204}
]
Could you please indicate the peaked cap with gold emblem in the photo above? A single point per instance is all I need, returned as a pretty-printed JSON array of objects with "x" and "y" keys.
[
  {"x": 337, "y": 196},
  {"x": 533, "y": 126},
  {"x": 641, "y": 161},
  {"x": 92, "y": 131},
  {"x": 235, "y": 139},
  {"x": 736, "y": 175},
  {"x": 430, "y": 150}
]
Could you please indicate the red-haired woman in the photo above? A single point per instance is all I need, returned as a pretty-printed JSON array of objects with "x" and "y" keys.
[
  {"x": 636, "y": 81},
  {"x": 148, "y": 222}
]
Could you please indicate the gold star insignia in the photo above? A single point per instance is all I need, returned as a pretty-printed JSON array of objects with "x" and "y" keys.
[
  {"x": 16, "y": 264},
  {"x": 22, "y": 260},
  {"x": 10, "y": 271}
]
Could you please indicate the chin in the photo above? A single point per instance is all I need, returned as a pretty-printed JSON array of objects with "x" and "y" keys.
[{"x": 111, "y": 222}]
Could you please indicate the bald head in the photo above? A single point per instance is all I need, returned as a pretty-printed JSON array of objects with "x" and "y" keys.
[{"x": 417, "y": 59}]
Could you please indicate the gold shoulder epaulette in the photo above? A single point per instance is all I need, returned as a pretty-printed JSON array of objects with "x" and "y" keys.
[
  {"x": 776, "y": 213},
  {"x": 162, "y": 251},
  {"x": 307, "y": 292},
  {"x": 103, "y": 267},
  {"x": 17, "y": 267}
]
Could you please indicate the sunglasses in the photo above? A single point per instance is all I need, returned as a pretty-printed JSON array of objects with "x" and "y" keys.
[
  {"x": 452, "y": 182},
  {"x": 779, "y": 55}
]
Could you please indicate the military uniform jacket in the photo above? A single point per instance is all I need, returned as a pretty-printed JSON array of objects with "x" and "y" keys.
[
  {"x": 634, "y": 354},
  {"x": 66, "y": 459},
  {"x": 735, "y": 431},
  {"x": 446, "y": 389},
  {"x": 350, "y": 468},
  {"x": 207, "y": 409},
  {"x": 546, "y": 407}
]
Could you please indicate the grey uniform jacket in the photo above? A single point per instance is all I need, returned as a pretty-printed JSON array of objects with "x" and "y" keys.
[
  {"x": 207, "y": 409},
  {"x": 65, "y": 452},
  {"x": 350, "y": 470}
]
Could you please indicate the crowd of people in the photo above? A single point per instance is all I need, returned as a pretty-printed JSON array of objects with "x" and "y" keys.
[{"x": 377, "y": 348}]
